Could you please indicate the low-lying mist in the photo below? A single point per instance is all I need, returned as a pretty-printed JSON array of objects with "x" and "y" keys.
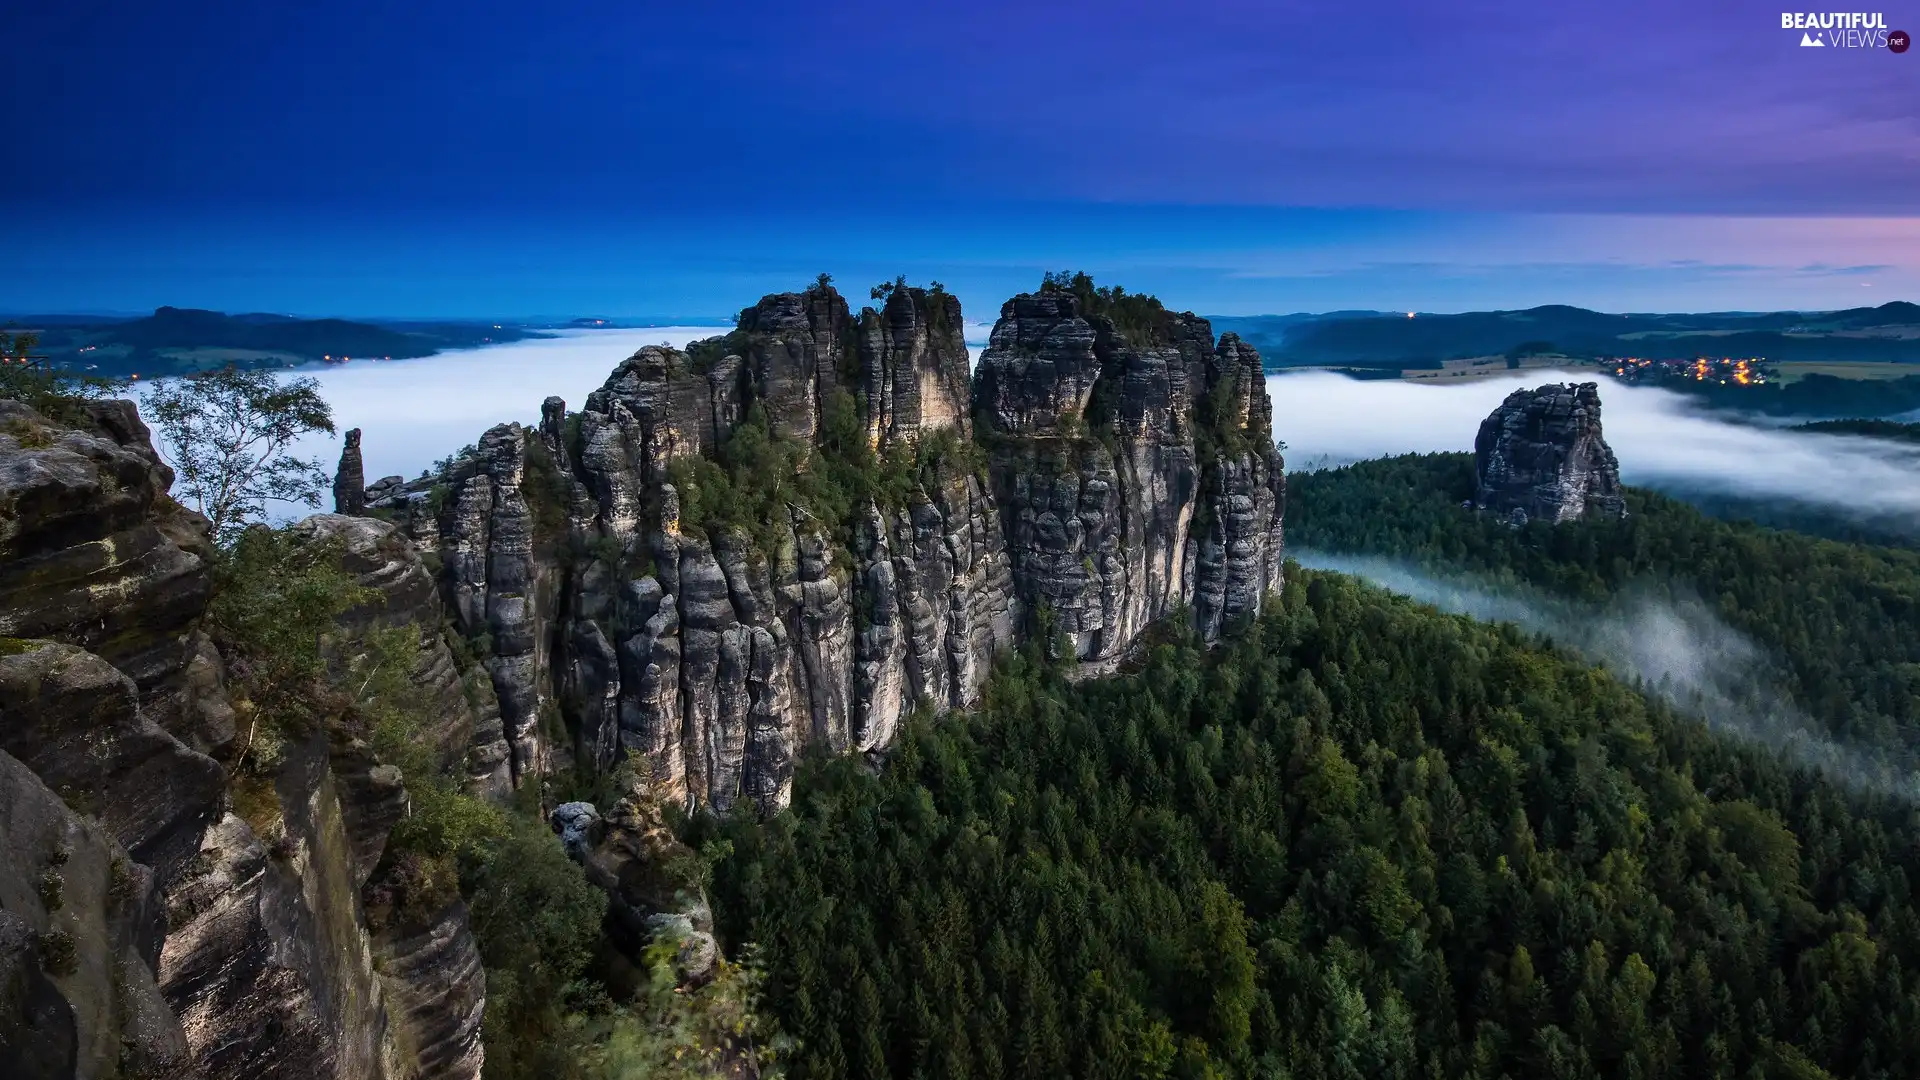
[
  {"x": 1677, "y": 649},
  {"x": 1663, "y": 440},
  {"x": 414, "y": 412}
]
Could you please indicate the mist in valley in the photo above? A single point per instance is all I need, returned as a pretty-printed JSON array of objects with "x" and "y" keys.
[
  {"x": 415, "y": 412},
  {"x": 1674, "y": 646},
  {"x": 1663, "y": 440}
]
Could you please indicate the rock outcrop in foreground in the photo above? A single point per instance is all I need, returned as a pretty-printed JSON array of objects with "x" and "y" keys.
[
  {"x": 799, "y": 532},
  {"x": 166, "y": 911},
  {"x": 1540, "y": 457}
]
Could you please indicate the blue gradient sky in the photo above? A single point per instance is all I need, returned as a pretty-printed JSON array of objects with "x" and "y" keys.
[{"x": 636, "y": 158}]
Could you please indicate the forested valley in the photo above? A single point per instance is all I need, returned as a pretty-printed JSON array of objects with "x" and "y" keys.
[{"x": 1366, "y": 839}]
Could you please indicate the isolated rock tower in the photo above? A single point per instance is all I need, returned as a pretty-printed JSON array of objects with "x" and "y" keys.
[
  {"x": 1540, "y": 455},
  {"x": 350, "y": 480}
]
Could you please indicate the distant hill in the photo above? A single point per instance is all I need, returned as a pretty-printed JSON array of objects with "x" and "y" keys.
[
  {"x": 1270, "y": 332},
  {"x": 1890, "y": 332},
  {"x": 174, "y": 340}
]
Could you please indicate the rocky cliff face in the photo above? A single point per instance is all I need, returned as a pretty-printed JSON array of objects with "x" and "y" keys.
[
  {"x": 161, "y": 915},
  {"x": 1541, "y": 456},
  {"x": 1136, "y": 468},
  {"x": 735, "y": 651},
  {"x": 460, "y": 716},
  {"x": 914, "y": 371},
  {"x": 94, "y": 553},
  {"x": 79, "y": 924},
  {"x": 498, "y": 595},
  {"x": 1114, "y": 476},
  {"x": 632, "y": 855}
]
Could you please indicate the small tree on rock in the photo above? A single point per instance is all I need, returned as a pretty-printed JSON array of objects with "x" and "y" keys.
[{"x": 228, "y": 435}]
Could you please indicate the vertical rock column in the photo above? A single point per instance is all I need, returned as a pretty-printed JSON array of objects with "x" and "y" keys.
[
  {"x": 350, "y": 479},
  {"x": 1135, "y": 468},
  {"x": 492, "y": 581},
  {"x": 515, "y": 659},
  {"x": 1237, "y": 552}
]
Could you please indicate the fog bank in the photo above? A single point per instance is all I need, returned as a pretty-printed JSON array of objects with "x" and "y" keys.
[
  {"x": 1660, "y": 437},
  {"x": 414, "y": 412},
  {"x": 1680, "y": 651}
]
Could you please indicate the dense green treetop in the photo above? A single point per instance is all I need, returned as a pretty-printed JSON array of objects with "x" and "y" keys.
[
  {"x": 1363, "y": 840},
  {"x": 1839, "y": 622}
]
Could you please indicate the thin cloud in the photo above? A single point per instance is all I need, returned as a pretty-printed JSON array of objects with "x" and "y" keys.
[
  {"x": 1675, "y": 647},
  {"x": 1845, "y": 271}
]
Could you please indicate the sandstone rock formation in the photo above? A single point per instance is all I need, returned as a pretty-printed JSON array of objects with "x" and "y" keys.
[
  {"x": 265, "y": 961},
  {"x": 95, "y": 554},
  {"x": 435, "y": 992},
  {"x": 914, "y": 371},
  {"x": 159, "y": 915},
  {"x": 461, "y": 717},
  {"x": 75, "y": 720},
  {"x": 350, "y": 479},
  {"x": 1135, "y": 468},
  {"x": 1116, "y": 475},
  {"x": 1541, "y": 456},
  {"x": 80, "y": 923},
  {"x": 797, "y": 533}
]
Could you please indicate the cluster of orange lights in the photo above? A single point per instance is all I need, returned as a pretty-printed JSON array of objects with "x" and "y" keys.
[{"x": 1739, "y": 371}]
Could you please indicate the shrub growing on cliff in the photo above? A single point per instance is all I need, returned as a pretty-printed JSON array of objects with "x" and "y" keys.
[
  {"x": 450, "y": 831},
  {"x": 759, "y": 475},
  {"x": 1141, "y": 318},
  {"x": 546, "y": 491},
  {"x": 276, "y": 599},
  {"x": 1217, "y": 431},
  {"x": 537, "y": 922},
  {"x": 229, "y": 436},
  {"x": 672, "y": 1033},
  {"x": 704, "y": 355}
]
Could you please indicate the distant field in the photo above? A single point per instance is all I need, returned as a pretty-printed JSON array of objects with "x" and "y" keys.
[
  {"x": 1487, "y": 367},
  {"x": 1795, "y": 370}
]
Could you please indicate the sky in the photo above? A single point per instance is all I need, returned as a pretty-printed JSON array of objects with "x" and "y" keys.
[{"x": 642, "y": 159}]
